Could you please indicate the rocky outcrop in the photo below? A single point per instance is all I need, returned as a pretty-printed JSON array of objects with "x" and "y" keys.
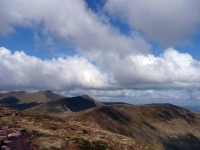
[
  {"x": 11, "y": 140},
  {"x": 11, "y": 137}
]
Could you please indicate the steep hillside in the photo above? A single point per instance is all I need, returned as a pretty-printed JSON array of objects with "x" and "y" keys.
[
  {"x": 63, "y": 107},
  {"x": 79, "y": 103},
  {"x": 33, "y": 131},
  {"x": 21, "y": 100},
  {"x": 160, "y": 126}
]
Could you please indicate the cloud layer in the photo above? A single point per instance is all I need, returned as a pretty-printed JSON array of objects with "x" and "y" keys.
[
  {"x": 169, "y": 70},
  {"x": 22, "y": 72},
  {"x": 72, "y": 24},
  {"x": 108, "y": 63},
  {"x": 164, "y": 21},
  {"x": 76, "y": 75}
]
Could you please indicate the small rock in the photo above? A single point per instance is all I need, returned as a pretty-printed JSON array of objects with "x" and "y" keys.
[
  {"x": 7, "y": 141},
  {"x": 3, "y": 137},
  {"x": 5, "y": 127},
  {"x": 16, "y": 134},
  {"x": 21, "y": 130},
  {"x": 1, "y": 132},
  {"x": 4, "y": 147}
]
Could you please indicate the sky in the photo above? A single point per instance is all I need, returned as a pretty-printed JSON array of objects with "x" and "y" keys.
[{"x": 133, "y": 51}]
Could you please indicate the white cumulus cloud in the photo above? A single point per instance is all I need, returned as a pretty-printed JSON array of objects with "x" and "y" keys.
[
  {"x": 22, "y": 72},
  {"x": 171, "y": 69},
  {"x": 77, "y": 75}
]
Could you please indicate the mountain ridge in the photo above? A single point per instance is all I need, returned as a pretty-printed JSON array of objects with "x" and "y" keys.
[{"x": 157, "y": 126}]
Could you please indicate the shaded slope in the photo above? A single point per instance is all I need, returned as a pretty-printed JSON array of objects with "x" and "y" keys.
[
  {"x": 181, "y": 142},
  {"x": 80, "y": 103},
  {"x": 161, "y": 126},
  {"x": 21, "y": 100},
  {"x": 12, "y": 102},
  {"x": 65, "y": 106}
]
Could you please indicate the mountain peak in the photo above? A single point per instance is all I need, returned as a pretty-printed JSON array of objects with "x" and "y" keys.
[{"x": 48, "y": 91}]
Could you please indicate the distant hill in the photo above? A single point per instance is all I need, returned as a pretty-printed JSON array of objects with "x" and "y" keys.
[
  {"x": 47, "y": 102},
  {"x": 22, "y": 100},
  {"x": 64, "y": 106},
  {"x": 160, "y": 126}
]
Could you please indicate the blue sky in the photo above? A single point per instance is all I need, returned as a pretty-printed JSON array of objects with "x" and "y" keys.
[{"x": 113, "y": 50}]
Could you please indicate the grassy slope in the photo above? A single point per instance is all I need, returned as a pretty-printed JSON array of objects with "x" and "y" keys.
[
  {"x": 163, "y": 126},
  {"x": 45, "y": 132}
]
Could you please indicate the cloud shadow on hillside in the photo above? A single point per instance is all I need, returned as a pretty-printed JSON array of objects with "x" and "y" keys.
[
  {"x": 115, "y": 115},
  {"x": 12, "y": 102},
  {"x": 183, "y": 142},
  {"x": 76, "y": 104}
]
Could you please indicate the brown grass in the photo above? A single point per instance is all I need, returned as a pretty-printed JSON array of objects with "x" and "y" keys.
[{"x": 47, "y": 132}]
